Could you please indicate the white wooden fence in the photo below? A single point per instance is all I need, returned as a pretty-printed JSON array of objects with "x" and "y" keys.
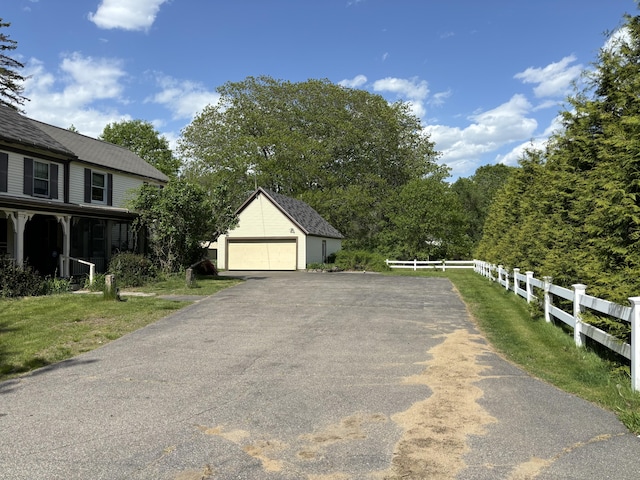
[
  {"x": 431, "y": 264},
  {"x": 543, "y": 291}
]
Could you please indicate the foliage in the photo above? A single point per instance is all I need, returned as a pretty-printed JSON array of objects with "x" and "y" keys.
[
  {"x": 145, "y": 141},
  {"x": 476, "y": 195},
  {"x": 345, "y": 152},
  {"x": 427, "y": 222},
  {"x": 11, "y": 87},
  {"x": 98, "y": 284},
  {"x": 55, "y": 286},
  {"x": 18, "y": 281},
  {"x": 178, "y": 218},
  {"x": 361, "y": 260},
  {"x": 131, "y": 269}
]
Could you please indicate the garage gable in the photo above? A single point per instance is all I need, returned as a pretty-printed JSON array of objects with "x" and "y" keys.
[{"x": 273, "y": 233}]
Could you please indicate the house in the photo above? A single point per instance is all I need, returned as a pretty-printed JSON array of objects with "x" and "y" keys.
[
  {"x": 276, "y": 232},
  {"x": 63, "y": 195}
]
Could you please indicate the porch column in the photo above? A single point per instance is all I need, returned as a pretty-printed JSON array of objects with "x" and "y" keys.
[
  {"x": 65, "y": 223},
  {"x": 19, "y": 221}
]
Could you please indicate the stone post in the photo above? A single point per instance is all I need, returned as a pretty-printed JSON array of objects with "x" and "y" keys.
[
  {"x": 190, "y": 277},
  {"x": 110, "y": 288}
]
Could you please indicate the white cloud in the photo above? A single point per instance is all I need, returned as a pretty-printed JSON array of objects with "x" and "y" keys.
[
  {"x": 184, "y": 98},
  {"x": 73, "y": 97},
  {"x": 411, "y": 89},
  {"x": 618, "y": 38},
  {"x": 440, "y": 97},
  {"x": 554, "y": 80},
  {"x": 538, "y": 143},
  {"x": 462, "y": 148},
  {"x": 126, "y": 14},
  {"x": 356, "y": 82}
]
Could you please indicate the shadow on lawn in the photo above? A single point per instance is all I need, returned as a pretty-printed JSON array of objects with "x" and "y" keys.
[
  {"x": 4, "y": 353},
  {"x": 36, "y": 365}
]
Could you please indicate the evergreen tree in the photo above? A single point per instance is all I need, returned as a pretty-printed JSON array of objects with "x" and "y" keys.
[{"x": 11, "y": 88}]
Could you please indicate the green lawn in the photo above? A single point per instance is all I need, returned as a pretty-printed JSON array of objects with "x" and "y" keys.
[
  {"x": 39, "y": 331},
  {"x": 520, "y": 333}
]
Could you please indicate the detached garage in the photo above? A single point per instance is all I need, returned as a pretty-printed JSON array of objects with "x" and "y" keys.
[{"x": 276, "y": 232}]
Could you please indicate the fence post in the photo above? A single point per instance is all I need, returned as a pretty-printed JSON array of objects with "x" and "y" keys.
[
  {"x": 415, "y": 264},
  {"x": 92, "y": 273},
  {"x": 547, "y": 298},
  {"x": 516, "y": 280},
  {"x": 529, "y": 286},
  {"x": 500, "y": 274},
  {"x": 635, "y": 343},
  {"x": 506, "y": 278},
  {"x": 578, "y": 291},
  {"x": 444, "y": 265}
]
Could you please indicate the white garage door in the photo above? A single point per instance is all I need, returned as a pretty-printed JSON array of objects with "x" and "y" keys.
[{"x": 262, "y": 255}]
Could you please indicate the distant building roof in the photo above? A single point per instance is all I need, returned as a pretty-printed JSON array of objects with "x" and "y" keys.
[
  {"x": 309, "y": 221},
  {"x": 103, "y": 154},
  {"x": 16, "y": 128}
]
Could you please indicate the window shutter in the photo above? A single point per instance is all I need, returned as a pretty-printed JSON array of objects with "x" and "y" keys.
[
  {"x": 109, "y": 189},
  {"x": 53, "y": 181},
  {"x": 87, "y": 185},
  {"x": 28, "y": 177},
  {"x": 4, "y": 172}
]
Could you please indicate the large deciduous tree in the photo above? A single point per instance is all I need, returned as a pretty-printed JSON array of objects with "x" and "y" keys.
[
  {"x": 344, "y": 151},
  {"x": 11, "y": 82},
  {"x": 145, "y": 141}
]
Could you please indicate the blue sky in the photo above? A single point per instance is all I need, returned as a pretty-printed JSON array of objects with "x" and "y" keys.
[{"x": 486, "y": 77}]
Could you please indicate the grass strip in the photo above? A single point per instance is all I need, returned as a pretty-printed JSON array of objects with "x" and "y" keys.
[
  {"x": 518, "y": 331},
  {"x": 39, "y": 331}
]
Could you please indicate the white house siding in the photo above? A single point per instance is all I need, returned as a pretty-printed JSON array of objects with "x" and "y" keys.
[
  {"x": 122, "y": 185},
  {"x": 15, "y": 175}
]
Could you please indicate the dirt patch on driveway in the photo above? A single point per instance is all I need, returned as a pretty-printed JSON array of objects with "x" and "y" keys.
[{"x": 436, "y": 429}]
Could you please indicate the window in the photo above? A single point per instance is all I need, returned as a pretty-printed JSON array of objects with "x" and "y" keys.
[
  {"x": 98, "y": 187},
  {"x": 40, "y": 179}
]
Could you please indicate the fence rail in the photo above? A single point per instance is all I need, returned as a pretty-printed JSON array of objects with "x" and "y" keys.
[
  {"x": 544, "y": 291},
  {"x": 430, "y": 264}
]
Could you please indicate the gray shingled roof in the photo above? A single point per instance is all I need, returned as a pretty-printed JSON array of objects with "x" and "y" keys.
[
  {"x": 101, "y": 153},
  {"x": 16, "y": 128},
  {"x": 301, "y": 213}
]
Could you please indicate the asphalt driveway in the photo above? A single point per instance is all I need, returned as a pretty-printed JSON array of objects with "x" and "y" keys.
[{"x": 306, "y": 376}]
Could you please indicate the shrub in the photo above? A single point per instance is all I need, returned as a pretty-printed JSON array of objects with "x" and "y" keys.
[
  {"x": 53, "y": 285},
  {"x": 18, "y": 281},
  {"x": 361, "y": 260},
  {"x": 131, "y": 269},
  {"x": 98, "y": 283}
]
